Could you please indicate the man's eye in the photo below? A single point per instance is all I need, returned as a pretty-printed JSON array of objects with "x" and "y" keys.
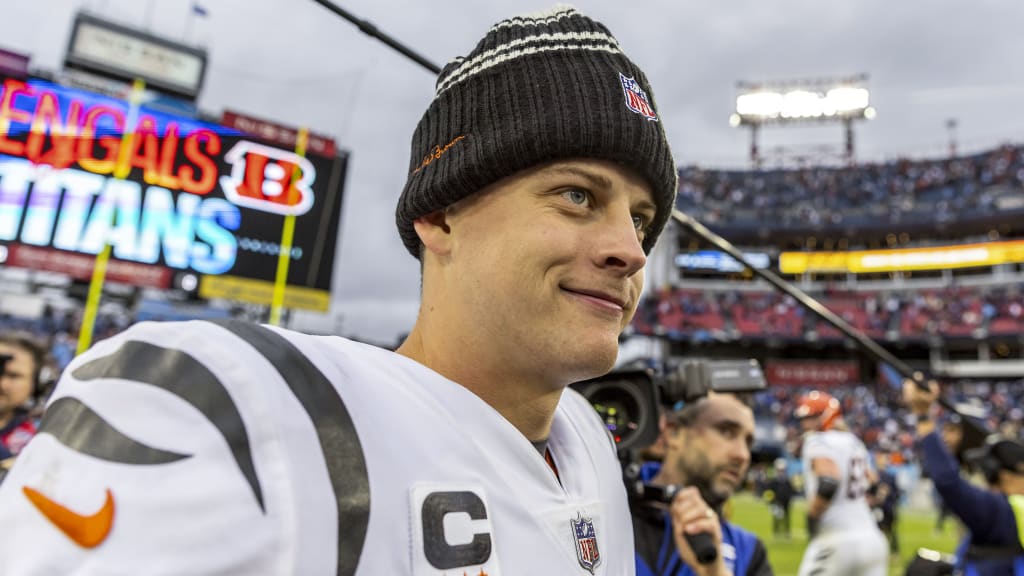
[
  {"x": 577, "y": 196},
  {"x": 640, "y": 223}
]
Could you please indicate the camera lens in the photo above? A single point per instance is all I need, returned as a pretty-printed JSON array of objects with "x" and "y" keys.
[
  {"x": 621, "y": 408},
  {"x": 627, "y": 403}
]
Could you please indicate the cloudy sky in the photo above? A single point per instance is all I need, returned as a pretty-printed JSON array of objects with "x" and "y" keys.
[{"x": 294, "y": 61}]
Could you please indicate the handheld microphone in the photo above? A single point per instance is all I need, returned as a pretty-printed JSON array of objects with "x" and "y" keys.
[{"x": 703, "y": 546}]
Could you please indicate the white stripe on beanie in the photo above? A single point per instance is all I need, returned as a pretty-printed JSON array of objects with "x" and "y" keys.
[
  {"x": 597, "y": 41},
  {"x": 543, "y": 17}
]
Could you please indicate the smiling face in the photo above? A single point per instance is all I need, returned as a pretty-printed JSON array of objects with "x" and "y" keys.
[
  {"x": 713, "y": 452},
  {"x": 543, "y": 270}
]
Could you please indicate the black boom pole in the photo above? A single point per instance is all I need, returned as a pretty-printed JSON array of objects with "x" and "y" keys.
[
  {"x": 369, "y": 28},
  {"x": 862, "y": 340}
]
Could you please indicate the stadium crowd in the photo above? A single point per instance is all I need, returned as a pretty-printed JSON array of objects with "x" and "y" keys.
[
  {"x": 682, "y": 313},
  {"x": 893, "y": 192}
]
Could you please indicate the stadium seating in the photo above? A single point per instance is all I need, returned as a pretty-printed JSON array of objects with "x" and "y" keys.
[
  {"x": 865, "y": 196},
  {"x": 955, "y": 312}
]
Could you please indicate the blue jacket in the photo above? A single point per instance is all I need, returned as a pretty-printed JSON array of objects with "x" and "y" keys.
[
  {"x": 994, "y": 544},
  {"x": 743, "y": 552}
]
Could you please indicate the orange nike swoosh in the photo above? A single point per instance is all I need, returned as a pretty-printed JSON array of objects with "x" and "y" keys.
[{"x": 86, "y": 531}]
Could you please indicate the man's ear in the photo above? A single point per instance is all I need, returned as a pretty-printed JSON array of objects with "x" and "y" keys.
[{"x": 434, "y": 232}]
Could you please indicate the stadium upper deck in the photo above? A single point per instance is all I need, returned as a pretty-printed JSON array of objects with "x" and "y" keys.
[{"x": 953, "y": 195}]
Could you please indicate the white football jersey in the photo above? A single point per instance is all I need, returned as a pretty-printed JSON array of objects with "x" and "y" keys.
[
  {"x": 219, "y": 448},
  {"x": 849, "y": 509}
]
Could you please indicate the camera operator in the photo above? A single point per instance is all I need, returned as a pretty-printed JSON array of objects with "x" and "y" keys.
[
  {"x": 992, "y": 516},
  {"x": 707, "y": 450}
]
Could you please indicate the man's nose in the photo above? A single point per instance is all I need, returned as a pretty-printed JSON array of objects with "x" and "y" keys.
[
  {"x": 740, "y": 452},
  {"x": 620, "y": 246}
]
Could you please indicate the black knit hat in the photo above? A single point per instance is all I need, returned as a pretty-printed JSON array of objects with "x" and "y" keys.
[{"x": 537, "y": 88}]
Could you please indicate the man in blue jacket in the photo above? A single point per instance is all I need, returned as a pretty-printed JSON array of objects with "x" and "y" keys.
[
  {"x": 707, "y": 451},
  {"x": 993, "y": 517}
]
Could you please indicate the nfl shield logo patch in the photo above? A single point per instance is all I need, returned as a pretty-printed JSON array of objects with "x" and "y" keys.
[
  {"x": 586, "y": 542},
  {"x": 636, "y": 98}
]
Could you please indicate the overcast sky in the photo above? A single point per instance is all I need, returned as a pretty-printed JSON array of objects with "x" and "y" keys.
[{"x": 297, "y": 63}]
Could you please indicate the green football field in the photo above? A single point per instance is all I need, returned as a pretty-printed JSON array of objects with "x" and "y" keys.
[{"x": 916, "y": 529}]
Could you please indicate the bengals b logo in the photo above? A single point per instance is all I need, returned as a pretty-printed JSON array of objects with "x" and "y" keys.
[{"x": 269, "y": 179}]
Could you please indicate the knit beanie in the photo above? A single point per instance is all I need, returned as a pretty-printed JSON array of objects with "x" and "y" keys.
[{"x": 537, "y": 88}]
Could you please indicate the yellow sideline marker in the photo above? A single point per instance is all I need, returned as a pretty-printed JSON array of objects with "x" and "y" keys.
[
  {"x": 284, "y": 256},
  {"x": 121, "y": 171}
]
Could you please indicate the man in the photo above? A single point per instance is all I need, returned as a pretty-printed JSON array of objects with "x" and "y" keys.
[
  {"x": 884, "y": 497},
  {"x": 539, "y": 179},
  {"x": 707, "y": 447},
  {"x": 845, "y": 538},
  {"x": 992, "y": 516},
  {"x": 782, "y": 493},
  {"x": 21, "y": 363}
]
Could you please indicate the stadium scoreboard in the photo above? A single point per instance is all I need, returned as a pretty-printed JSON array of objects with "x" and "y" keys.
[{"x": 178, "y": 195}]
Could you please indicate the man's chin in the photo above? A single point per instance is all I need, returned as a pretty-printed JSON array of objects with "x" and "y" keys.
[
  {"x": 723, "y": 490},
  {"x": 592, "y": 361}
]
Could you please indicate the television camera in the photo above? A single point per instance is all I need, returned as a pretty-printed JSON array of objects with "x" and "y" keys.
[{"x": 630, "y": 401}]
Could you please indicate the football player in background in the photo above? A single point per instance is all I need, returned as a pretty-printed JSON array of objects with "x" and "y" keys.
[{"x": 845, "y": 539}]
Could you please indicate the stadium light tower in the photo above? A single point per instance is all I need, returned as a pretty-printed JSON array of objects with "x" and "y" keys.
[
  {"x": 792, "y": 102},
  {"x": 951, "y": 124}
]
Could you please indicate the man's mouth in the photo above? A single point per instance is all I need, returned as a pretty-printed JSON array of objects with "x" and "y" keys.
[
  {"x": 598, "y": 298},
  {"x": 732, "y": 476}
]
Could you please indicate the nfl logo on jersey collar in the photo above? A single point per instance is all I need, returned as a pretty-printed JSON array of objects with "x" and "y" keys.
[
  {"x": 636, "y": 98},
  {"x": 586, "y": 542}
]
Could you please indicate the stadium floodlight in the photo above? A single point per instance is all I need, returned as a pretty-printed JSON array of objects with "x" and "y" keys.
[
  {"x": 839, "y": 100},
  {"x": 760, "y": 104},
  {"x": 819, "y": 100},
  {"x": 845, "y": 100}
]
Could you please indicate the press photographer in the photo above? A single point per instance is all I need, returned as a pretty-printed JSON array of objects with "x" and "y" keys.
[{"x": 676, "y": 505}]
